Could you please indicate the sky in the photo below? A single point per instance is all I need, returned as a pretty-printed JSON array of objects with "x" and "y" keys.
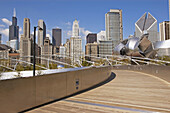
[{"x": 89, "y": 13}]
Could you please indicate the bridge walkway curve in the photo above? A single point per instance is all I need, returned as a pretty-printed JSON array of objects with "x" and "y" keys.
[{"x": 129, "y": 92}]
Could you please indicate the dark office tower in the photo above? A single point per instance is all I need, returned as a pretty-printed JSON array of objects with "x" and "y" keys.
[
  {"x": 0, "y": 38},
  {"x": 91, "y": 38},
  {"x": 14, "y": 29},
  {"x": 56, "y": 37}
]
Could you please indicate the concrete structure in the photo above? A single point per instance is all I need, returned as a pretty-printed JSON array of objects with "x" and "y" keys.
[
  {"x": 25, "y": 41},
  {"x": 101, "y": 36},
  {"x": 91, "y": 38},
  {"x": 147, "y": 24},
  {"x": 41, "y": 33},
  {"x": 113, "y": 26},
  {"x": 56, "y": 37},
  {"x": 0, "y": 38},
  {"x": 14, "y": 31},
  {"x": 164, "y": 30},
  {"x": 92, "y": 49},
  {"x": 46, "y": 51},
  {"x": 106, "y": 48},
  {"x": 29, "y": 92},
  {"x": 75, "y": 29},
  {"x": 75, "y": 49}
]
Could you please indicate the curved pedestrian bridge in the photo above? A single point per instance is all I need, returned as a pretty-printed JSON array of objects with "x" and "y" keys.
[{"x": 128, "y": 92}]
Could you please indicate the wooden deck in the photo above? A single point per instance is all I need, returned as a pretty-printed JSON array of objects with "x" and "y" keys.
[{"x": 129, "y": 92}]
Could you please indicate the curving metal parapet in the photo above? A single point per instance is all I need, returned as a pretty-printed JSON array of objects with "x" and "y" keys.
[{"x": 23, "y": 93}]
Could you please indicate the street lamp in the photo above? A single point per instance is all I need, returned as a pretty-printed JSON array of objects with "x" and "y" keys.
[{"x": 39, "y": 28}]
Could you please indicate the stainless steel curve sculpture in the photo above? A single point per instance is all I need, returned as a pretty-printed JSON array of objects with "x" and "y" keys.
[{"x": 135, "y": 46}]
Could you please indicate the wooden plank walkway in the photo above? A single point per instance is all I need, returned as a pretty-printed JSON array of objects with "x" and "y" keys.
[{"x": 129, "y": 92}]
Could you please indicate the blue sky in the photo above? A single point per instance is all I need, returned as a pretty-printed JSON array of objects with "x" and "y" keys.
[{"x": 90, "y": 14}]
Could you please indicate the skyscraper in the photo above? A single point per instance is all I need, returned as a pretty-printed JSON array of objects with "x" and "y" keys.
[
  {"x": 25, "y": 41},
  {"x": 113, "y": 26},
  {"x": 46, "y": 50},
  {"x": 75, "y": 49},
  {"x": 164, "y": 30},
  {"x": 41, "y": 33},
  {"x": 56, "y": 37},
  {"x": 147, "y": 24},
  {"x": 14, "y": 30},
  {"x": 75, "y": 29},
  {"x": 91, "y": 38}
]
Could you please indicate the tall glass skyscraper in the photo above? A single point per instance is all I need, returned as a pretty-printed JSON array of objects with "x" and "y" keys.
[
  {"x": 113, "y": 26},
  {"x": 14, "y": 30},
  {"x": 56, "y": 37}
]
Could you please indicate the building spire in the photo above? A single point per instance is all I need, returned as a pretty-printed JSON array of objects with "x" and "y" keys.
[{"x": 14, "y": 13}]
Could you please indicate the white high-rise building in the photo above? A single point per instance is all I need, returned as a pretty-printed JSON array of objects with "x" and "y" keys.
[
  {"x": 147, "y": 24},
  {"x": 62, "y": 51},
  {"x": 113, "y": 26},
  {"x": 41, "y": 33},
  {"x": 75, "y": 49},
  {"x": 164, "y": 30},
  {"x": 75, "y": 29},
  {"x": 25, "y": 41}
]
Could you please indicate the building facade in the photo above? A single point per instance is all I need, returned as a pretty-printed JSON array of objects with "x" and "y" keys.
[
  {"x": 67, "y": 46},
  {"x": 92, "y": 49},
  {"x": 14, "y": 31},
  {"x": 46, "y": 51},
  {"x": 62, "y": 51},
  {"x": 113, "y": 26},
  {"x": 75, "y": 49},
  {"x": 106, "y": 48},
  {"x": 56, "y": 37},
  {"x": 26, "y": 42},
  {"x": 164, "y": 30},
  {"x": 147, "y": 24},
  {"x": 41, "y": 32},
  {"x": 75, "y": 29},
  {"x": 91, "y": 38}
]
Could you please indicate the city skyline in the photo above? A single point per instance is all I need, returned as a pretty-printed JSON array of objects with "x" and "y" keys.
[{"x": 64, "y": 16}]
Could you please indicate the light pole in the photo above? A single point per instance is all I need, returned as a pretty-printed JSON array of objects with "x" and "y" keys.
[{"x": 34, "y": 51}]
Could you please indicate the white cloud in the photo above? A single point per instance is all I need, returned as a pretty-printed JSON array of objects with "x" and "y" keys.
[
  {"x": 6, "y": 21},
  {"x": 35, "y": 33},
  {"x": 69, "y": 33},
  {"x": 84, "y": 32},
  {"x": 2, "y": 25},
  {"x": 20, "y": 29},
  {"x": 68, "y": 23},
  {"x": 4, "y": 32},
  {"x": 48, "y": 35}
]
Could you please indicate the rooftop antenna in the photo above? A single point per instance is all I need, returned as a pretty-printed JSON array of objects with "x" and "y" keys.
[{"x": 14, "y": 13}]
